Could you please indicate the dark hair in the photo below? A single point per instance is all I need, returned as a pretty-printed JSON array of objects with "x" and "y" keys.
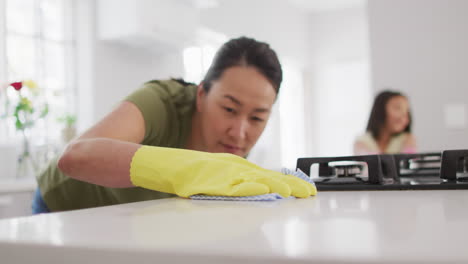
[
  {"x": 245, "y": 51},
  {"x": 378, "y": 115}
]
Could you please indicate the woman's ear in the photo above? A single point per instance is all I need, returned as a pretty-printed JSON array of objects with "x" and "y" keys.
[{"x": 201, "y": 94}]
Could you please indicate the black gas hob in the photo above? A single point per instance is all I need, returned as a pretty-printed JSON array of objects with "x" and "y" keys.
[{"x": 446, "y": 170}]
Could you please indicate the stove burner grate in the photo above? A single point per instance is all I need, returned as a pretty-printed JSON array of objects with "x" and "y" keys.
[{"x": 421, "y": 171}]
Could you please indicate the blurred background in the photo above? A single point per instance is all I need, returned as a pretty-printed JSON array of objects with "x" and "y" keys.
[{"x": 85, "y": 56}]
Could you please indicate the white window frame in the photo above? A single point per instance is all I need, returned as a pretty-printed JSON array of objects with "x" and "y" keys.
[{"x": 7, "y": 131}]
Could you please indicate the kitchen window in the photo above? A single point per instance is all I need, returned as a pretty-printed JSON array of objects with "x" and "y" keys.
[{"x": 38, "y": 44}]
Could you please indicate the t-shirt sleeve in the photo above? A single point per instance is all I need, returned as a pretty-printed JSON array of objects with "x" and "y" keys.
[{"x": 149, "y": 101}]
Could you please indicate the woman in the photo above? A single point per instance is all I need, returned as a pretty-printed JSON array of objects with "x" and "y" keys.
[
  {"x": 389, "y": 127},
  {"x": 171, "y": 137}
]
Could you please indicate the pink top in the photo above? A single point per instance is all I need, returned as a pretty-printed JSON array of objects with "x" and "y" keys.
[{"x": 366, "y": 145}]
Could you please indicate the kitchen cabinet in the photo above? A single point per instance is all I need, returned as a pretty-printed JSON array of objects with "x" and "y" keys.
[
  {"x": 14, "y": 204},
  {"x": 149, "y": 24},
  {"x": 16, "y": 197}
]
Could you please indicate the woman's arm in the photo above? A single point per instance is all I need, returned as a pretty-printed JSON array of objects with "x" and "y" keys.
[{"x": 102, "y": 155}]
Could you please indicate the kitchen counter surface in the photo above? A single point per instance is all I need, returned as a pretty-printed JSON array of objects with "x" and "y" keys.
[{"x": 333, "y": 227}]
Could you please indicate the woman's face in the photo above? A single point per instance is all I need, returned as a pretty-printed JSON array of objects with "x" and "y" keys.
[
  {"x": 235, "y": 111},
  {"x": 397, "y": 110}
]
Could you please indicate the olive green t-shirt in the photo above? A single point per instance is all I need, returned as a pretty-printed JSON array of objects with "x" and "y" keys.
[{"x": 167, "y": 108}]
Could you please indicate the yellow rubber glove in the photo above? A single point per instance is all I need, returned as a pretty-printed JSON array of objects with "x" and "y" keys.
[{"x": 187, "y": 172}]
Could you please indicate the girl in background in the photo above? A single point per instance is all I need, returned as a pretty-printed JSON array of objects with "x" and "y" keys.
[{"x": 389, "y": 127}]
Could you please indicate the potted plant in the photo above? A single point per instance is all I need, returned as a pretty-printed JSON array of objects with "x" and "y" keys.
[{"x": 28, "y": 108}]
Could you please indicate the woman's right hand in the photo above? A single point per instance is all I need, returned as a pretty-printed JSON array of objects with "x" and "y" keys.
[{"x": 188, "y": 172}]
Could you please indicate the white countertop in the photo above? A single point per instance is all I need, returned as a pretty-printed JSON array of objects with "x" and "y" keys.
[{"x": 334, "y": 227}]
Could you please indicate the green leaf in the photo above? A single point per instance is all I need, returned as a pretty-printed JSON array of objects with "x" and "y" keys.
[
  {"x": 44, "y": 111},
  {"x": 19, "y": 125}
]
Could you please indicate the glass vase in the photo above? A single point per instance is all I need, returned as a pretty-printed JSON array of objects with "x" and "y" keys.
[{"x": 27, "y": 167}]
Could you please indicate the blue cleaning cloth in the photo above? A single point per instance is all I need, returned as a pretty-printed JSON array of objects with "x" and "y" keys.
[{"x": 263, "y": 197}]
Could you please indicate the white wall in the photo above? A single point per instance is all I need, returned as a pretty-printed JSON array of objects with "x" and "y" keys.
[
  {"x": 277, "y": 22},
  {"x": 109, "y": 70},
  {"x": 420, "y": 48},
  {"x": 338, "y": 35},
  {"x": 85, "y": 16},
  {"x": 119, "y": 70},
  {"x": 337, "y": 81}
]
